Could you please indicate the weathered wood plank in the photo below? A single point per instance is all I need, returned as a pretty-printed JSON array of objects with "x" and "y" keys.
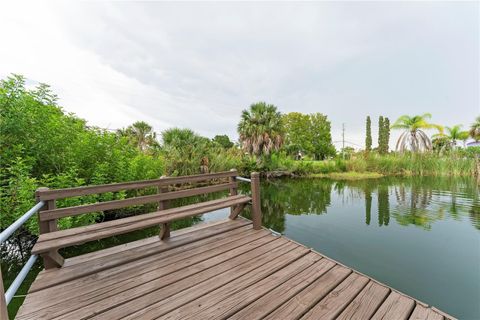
[
  {"x": 178, "y": 237},
  {"x": 146, "y": 216},
  {"x": 334, "y": 303},
  {"x": 86, "y": 305},
  {"x": 114, "y": 187},
  {"x": 423, "y": 313},
  {"x": 298, "y": 305},
  {"x": 137, "y": 258},
  {"x": 224, "y": 307},
  {"x": 3, "y": 303},
  {"x": 200, "y": 296},
  {"x": 396, "y": 306},
  {"x": 261, "y": 307},
  {"x": 205, "y": 307},
  {"x": 216, "y": 271},
  {"x": 94, "y": 234},
  {"x": 256, "y": 205},
  {"x": 134, "y": 201},
  {"x": 366, "y": 303},
  {"x": 230, "y": 269}
]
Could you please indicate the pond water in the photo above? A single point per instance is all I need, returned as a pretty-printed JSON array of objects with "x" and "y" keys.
[{"x": 418, "y": 235}]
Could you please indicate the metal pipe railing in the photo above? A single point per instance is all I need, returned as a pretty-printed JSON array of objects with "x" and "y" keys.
[
  {"x": 8, "y": 296},
  {"x": 19, "y": 279},
  {"x": 17, "y": 224},
  {"x": 243, "y": 179}
]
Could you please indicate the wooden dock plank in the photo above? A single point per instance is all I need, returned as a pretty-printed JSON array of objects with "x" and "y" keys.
[
  {"x": 136, "y": 288},
  {"x": 178, "y": 237},
  {"x": 122, "y": 278},
  {"x": 264, "y": 305},
  {"x": 298, "y": 305},
  {"x": 146, "y": 307},
  {"x": 334, "y": 303},
  {"x": 133, "y": 259},
  {"x": 225, "y": 307},
  {"x": 396, "y": 306},
  {"x": 214, "y": 271},
  {"x": 130, "y": 270},
  {"x": 423, "y": 313},
  {"x": 366, "y": 303},
  {"x": 202, "y": 296}
]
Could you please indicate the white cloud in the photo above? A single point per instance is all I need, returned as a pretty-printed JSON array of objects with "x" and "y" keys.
[{"x": 198, "y": 65}]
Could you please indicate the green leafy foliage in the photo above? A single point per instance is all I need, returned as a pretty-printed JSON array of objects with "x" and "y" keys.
[
  {"x": 42, "y": 146},
  {"x": 223, "y": 140},
  {"x": 368, "y": 138},
  {"x": 310, "y": 133}
]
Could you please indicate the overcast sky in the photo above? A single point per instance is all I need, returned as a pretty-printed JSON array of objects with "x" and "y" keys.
[{"x": 197, "y": 65}]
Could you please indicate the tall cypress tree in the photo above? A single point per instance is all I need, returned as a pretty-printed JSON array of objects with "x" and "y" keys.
[
  {"x": 368, "y": 138},
  {"x": 386, "y": 134},
  {"x": 380, "y": 134}
]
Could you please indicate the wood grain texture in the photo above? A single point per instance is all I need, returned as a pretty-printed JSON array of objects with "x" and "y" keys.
[
  {"x": 218, "y": 270},
  {"x": 298, "y": 305},
  {"x": 334, "y": 303},
  {"x": 51, "y": 214},
  {"x": 423, "y": 313},
  {"x": 3, "y": 303},
  {"x": 114, "y": 187},
  {"x": 135, "y": 257},
  {"x": 396, "y": 306},
  {"x": 266, "y": 304},
  {"x": 142, "y": 307},
  {"x": 64, "y": 238},
  {"x": 226, "y": 306},
  {"x": 366, "y": 303}
]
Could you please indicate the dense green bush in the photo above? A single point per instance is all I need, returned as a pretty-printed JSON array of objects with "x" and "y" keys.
[{"x": 41, "y": 145}]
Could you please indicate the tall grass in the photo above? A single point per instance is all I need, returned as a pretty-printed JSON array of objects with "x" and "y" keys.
[{"x": 424, "y": 164}]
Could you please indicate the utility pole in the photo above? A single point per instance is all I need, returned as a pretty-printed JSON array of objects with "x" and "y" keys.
[{"x": 343, "y": 141}]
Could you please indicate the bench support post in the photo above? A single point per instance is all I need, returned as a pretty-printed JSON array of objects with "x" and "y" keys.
[
  {"x": 162, "y": 205},
  {"x": 256, "y": 209},
  {"x": 3, "y": 302},
  {"x": 52, "y": 259},
  {"x": 236, "y": 212}
]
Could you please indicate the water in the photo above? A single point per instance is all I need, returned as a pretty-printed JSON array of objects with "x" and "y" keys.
[{"x": 418, "y": 235}]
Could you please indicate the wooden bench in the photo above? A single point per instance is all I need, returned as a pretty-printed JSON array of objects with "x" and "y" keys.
[{"x": 51, "y": 239}]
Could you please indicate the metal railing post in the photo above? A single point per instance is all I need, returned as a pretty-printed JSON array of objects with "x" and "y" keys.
[{"x": 256, "y": 209}]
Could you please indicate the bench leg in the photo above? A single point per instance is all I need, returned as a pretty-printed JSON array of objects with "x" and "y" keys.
[
  {"x": 236, "y": 211},
  {"x": 165, "y": 231},
  {"x": 52, "y": 259}
]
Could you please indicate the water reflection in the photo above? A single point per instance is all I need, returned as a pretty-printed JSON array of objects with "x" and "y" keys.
[
  {"x": 296, "y": 197},
  {"x": 409, "y": 201}
]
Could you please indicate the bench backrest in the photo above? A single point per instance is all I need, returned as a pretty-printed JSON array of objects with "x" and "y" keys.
[{"x": 48, "y": 217}]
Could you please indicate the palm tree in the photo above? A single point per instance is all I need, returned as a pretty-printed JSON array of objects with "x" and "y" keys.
[
  {"x": 261, "y": 129},
  {"x": 475, "y": 129},
  {"x": 455, "y": 133},
  {"x": 414, "y": 138},
  {"x": 141, "y": 134}
]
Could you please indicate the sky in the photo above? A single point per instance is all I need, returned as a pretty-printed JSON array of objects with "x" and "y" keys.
[{"x": 199, "y": 64}]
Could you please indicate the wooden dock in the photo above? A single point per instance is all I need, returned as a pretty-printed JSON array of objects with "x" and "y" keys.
[
  {"x": 231, "y": 269},
  {"x": 219, "y": 270}
]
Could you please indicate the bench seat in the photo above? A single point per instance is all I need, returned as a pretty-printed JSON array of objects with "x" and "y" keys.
[{"x": 69, "y": 237}]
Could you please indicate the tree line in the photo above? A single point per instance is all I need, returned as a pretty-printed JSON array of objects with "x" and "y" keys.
[{"x": 414, "y": 138}]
